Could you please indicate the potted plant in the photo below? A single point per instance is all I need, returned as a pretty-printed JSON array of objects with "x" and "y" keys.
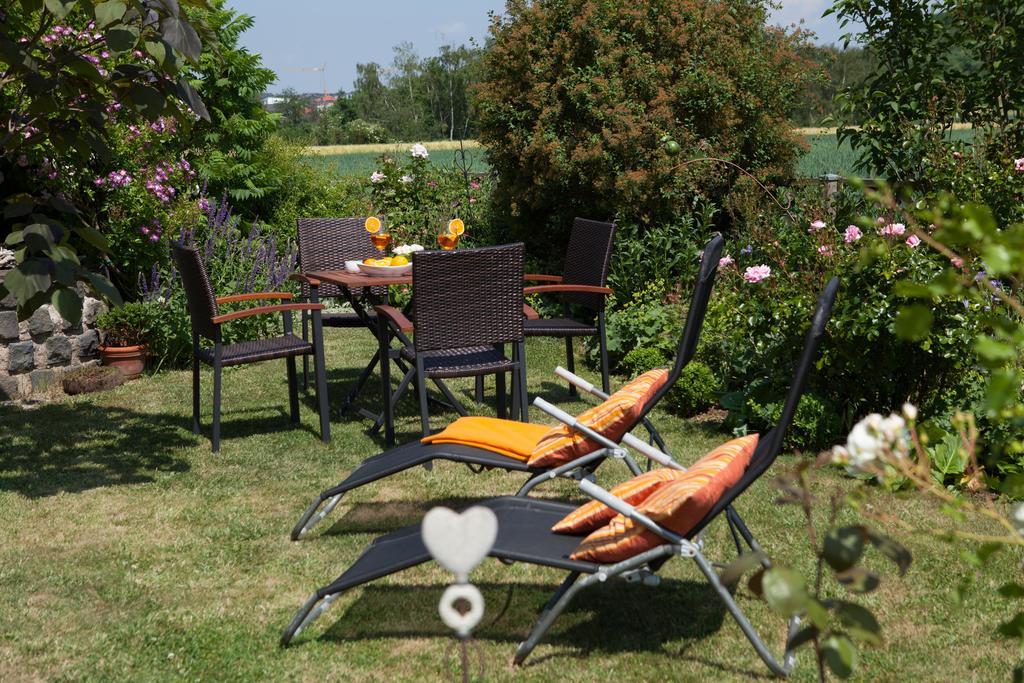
[{"x": 126, "y": 330}]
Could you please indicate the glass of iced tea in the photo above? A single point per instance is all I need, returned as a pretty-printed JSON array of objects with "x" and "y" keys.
[
  {"x": 379, "y": 235},
  {"x": 448, "y": 237}
]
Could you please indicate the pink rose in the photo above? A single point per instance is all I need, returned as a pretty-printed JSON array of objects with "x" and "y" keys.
[
  {"x": 825, "y": 250},
  {"x": 913, "y": 241},
  {"x": 757, "y": 273},
  {"x": 724, "y": 261},
  {"x": 852, "y": 234},
  {"x": 816, "y": 225},
  {"x": 893, "y": 230}
]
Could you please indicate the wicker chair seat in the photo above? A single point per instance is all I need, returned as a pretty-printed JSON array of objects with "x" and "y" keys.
[
  {"x": 557, "y": 327},
  {"x": 465, "y": 362},
  {"x": 345, "y": 319},
  {"x": 259, "y": 349}
]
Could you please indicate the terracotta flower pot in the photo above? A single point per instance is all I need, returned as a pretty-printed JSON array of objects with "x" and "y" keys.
[{"x": 131, "y": 360}]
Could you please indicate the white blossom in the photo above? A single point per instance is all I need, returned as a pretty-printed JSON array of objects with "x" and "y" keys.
[
  {"x": 377, "y": 177},
  {"x": 872, "y": 439},
  {"x": 910, "y": 411},
  {"x": 419, "y": 151}
]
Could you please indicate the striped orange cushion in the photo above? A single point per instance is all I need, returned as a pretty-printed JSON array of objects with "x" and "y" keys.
[
  {"x": 677, "y": 505},
  {"x": 508, "y": 437},
  {"x": 590, "y": 516},
  {"x": 612, "y": 418}
]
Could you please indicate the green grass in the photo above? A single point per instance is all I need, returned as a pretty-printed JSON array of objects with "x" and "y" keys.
[
  {"x": 129, "y": 552},
  {"x": 356, "y": 161}
]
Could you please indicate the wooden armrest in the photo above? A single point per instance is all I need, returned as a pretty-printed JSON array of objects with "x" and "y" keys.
[
  {"x": 530, "y": 313},
  {"x": 300, "y": 277},
  {"x": 255, "y": 296},
  {"x": 259, "y": 310},
  {"x": 540, "y": 277},
  {"x": 395, "y": 316},
  {"x": 580, "y": 289}
]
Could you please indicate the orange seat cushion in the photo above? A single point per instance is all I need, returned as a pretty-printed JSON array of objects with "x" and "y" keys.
[
  {"x": 507, "y": 437},
  {"x": 594, "y": 514},
  {"x": 677, "y": 505},
  {"x": 612, "y": 418}
]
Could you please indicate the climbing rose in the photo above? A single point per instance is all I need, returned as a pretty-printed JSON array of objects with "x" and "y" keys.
[
  {"x": 725, "y": 261},
  {"x": 913, "y": 241},
  {"x": 377, "y": 177},
  {"x": 852, "y": 234},
  {"x": 893, "y": 230},
  {"x": 816, "y": 225},
  {"x": 757, "y": 273},
  {"x": 419, "y": 151}
]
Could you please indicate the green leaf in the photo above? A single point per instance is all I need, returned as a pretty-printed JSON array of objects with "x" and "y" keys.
[
  {"x": 843, "y": 547},
  {"x": 1011, "y": 590},
  {"x": 913, "y": 322},
  {"x": 68, "y": 304},
  {"x": 731, "y": 575},
  {"x": 103, "y": 286},
  {"x": 1001, "y": 391},
  {"x": 122, "y": 38},
  {"x": 182, "y": 37},
  {"x": 147, "y": 100},
  {"x": 1013, "y": 485},
  {"x": 190, "y": 96},
  {"x": 158, "y": 50},
  {"x": 995, "y": 353},
  {"x": 859, "y": 622},
  {"x": 60, "y": 8},
  {"x": 801, "y": 637},
  {"x": 19, "y": 208},
  {"x": 109, "y": 12},
  {"x": 817, "y": 613},
  {"x": 41, "y": 236},
  {"x": 858, "y": 580},
  {"x": 840, "y": 655},
  {"x": 785, "y": 591},
  {"x": 28, "y": 278},
  {"x": 891, "y": 549},
  {"x": 93, "y": 236}
]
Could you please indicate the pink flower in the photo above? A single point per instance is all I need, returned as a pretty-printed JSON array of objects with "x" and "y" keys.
[
  {"x": 724, "y": 261},
  {"x": 474, "y": 184},
  {"x": 852, "y": 234},
  {"x": 1018, "y": 164},
  {"x": 377, "y": 177},
  {"x": 957, "y": 261},
  {"x": 757, "y": 273},
  {"x": 816, "y": 225},
  {"x": 893, "y": 230},
  {"x": 419, "y": 151},
  {"x": 825, "y": 250},
  {"x": 913, "y": 241}
]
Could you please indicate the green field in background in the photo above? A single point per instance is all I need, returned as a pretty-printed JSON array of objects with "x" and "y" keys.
[{"x": 365, "y": 163}]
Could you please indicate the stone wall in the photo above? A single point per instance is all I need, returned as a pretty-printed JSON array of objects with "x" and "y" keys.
[{"x": 35, "y": 352}]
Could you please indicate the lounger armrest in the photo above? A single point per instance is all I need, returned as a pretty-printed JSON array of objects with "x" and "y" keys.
[
  {"x": 395, "y": 317},
  {"x": 529, "y": 313},
  {"x": 578, "y": 289},
  {"x": 255, "y": 296},
  {"x": 540, "y": 277},
  {"x": 300, "y": 277},
  {"x": 627, "y": 510},
  {"x": 260, "y": 310},
  {"x": 649, "y": 451},
  {"x": 580, "y": 383}
]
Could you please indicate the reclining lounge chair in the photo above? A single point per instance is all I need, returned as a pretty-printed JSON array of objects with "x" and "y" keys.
[
  {"x": 418, "y": 453},
  {"x": 524, "y": 534}
]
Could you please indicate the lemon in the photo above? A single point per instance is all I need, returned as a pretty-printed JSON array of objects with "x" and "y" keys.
[
  {"x": 456, "y": 226},
  {"x": 399, "y": 261},
  {"x": 372, "y": 225},
  {"x": 369, "y": 261}
]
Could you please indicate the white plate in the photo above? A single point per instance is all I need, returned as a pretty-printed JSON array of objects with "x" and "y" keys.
[{"x": 385, "y": 271}]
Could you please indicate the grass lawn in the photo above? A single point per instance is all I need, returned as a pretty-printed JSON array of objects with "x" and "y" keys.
[{"x": 129, "y": 552}]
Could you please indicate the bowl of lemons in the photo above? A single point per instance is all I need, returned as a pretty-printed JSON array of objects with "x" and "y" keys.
[{"x": 387, "y": 266}]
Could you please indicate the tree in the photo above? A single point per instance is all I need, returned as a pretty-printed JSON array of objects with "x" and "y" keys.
[
  {"x": 577, "y": 97},
  {"x": 447, "y": 79},
  {"x": 69, "y": 68}
]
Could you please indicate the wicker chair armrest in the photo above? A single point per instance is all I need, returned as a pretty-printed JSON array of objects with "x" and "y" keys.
[
  {"x": 259, "y": 310},
  {"x": 255, "y": 296},
  {"x": 301, "y": 277},
  {"x": 540, "y": 277},
  {"x": 579, "y": 289},
  {"x": 395, "y": 316},
  {"x": 529, "y": 313}
]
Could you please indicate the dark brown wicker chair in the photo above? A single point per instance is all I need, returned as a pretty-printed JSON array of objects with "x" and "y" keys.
[
  {"x": 325, "y": 244},
  {"x": 582, "y": 284},
  {"x": 468, "y": 304},
  {"x": 206, "y": 322}
]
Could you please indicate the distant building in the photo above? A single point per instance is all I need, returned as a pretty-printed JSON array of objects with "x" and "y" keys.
[
  {"x": 271, "y": 101},
  {"x": 324, "y": 101}
]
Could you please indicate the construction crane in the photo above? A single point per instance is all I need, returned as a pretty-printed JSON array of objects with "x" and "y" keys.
[{"x": 322, "y": 70}]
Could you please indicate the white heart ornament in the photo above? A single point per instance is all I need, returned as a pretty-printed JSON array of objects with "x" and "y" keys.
[
  {"x": 462, "y": 624},
  {"x": 459, "y": 542}
]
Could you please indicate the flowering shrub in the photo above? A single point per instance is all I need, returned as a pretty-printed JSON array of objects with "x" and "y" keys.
[{"x": 237, "y": 261}]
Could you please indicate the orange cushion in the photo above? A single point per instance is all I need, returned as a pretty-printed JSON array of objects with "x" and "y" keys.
[
  {"x": 678, "y": 505},
  {"x": 612, "y": 418},
  {"x": 590, "y": 516},
  {"x": 507, "y": 437}
]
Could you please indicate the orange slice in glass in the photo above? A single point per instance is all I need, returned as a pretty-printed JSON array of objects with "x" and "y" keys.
[
  {"x": 456, "y": 226},
  {"x": 372, "y": 225}
]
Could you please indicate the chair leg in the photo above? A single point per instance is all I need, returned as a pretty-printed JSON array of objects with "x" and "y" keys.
[
  {"x": 217, "y": 372},
  {"x": 384, "y": 345},
  {"x": 499, "y": 393},
  {"x": 305, "y": 359},
  {"x": 524, "y": 398},
  {"x": 320, "y": 366},
  {"x": 570, "y": 363},
  {"x": 603, "y": 341},
  {"x": 195, "y": 394},
  {"x": 421, "y": 387},
  {"x": 478, "y": 394},
  {"x": 293, "y": 389}
]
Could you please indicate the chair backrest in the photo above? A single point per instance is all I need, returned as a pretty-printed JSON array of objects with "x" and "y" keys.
[
  {"x": 326, "y": 243},
  {"x": 587, "y": 260},
  {"x": 694, "y": 318},
  {"x": 769, "y": 445},
  {"x": 468, "y": 297},
  {"x": 202, "y": 305}
]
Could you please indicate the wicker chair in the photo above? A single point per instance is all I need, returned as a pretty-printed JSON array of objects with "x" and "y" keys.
[
  {"x": 206, "y": 322},
  {"x": 325, "y": 244},
  {"x": 582, "y": 284},
  {"x": 468, "y": 304}
]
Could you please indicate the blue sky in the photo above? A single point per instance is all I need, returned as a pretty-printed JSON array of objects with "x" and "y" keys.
[{"x": 293, "y": 34}]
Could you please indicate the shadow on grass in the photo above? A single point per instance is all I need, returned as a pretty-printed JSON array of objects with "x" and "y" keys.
[
  {"x": 364, "y": 518},
  {"x": 612, "y": 618},
  {"x": 72, "y": 447}
]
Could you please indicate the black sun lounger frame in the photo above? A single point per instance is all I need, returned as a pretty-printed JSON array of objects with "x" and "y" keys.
[
  {"x": 416, "y": 453},
  {"x": 524, "y": 535}
]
